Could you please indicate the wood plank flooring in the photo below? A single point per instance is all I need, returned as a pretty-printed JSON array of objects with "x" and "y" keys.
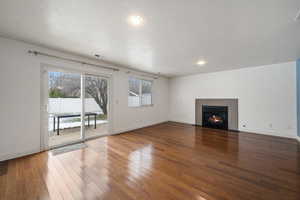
[{"x": 165, "y": 161}]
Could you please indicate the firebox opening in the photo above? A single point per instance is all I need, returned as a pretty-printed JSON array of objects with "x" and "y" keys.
[{"x": 215, "y": 117}]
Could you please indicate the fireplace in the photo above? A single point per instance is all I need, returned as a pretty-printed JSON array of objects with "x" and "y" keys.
[{"x": 215, "y": 117}]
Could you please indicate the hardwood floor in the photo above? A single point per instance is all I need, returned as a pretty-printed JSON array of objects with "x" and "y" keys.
[{"x": 166, "y": 161}]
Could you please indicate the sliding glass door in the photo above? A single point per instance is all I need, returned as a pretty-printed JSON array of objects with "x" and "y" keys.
[
  {"x": 64, "y": 107},
  {"x": 96, "y": 106},
  {"x": 68, "y": 96}
]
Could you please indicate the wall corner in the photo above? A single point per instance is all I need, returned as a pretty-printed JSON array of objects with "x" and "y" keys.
[{"x": 298, "y": 96}]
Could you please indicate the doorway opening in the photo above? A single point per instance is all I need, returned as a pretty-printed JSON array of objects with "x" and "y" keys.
[{"x": 77, "y": 107}]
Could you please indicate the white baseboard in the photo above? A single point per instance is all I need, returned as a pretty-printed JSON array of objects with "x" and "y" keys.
[
  {"x": 243, "y": 130},
  {"x": 17, "y": 155},
  {"x": 134, "y": 128},
  {"x": 276, "y": 133},
  {"x": 182, "y": 122}
]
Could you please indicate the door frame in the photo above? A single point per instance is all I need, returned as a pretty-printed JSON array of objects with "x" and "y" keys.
[{"x": 44, "y": 69}]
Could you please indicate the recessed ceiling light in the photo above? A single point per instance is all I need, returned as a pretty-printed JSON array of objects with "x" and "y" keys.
[
  {"x": 136, "y": 20},
  {"x": 98, "y": 56},
  {"x": 297, "y": 16},
  {"x": 201, "y": 62}
]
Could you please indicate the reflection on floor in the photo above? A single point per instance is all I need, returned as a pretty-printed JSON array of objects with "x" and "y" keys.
[
  {"x": 168, "y": 161},
  {"x": 72, "y": 134}
]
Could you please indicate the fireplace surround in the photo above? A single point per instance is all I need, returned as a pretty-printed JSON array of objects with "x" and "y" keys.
[{"x": 232, "y": 108}]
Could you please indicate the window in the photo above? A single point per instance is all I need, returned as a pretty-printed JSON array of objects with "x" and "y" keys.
[
  {"x": 140, "y": 92},
  {"x": 134, "y": 92},
  {"x": 146, "y": 92}
]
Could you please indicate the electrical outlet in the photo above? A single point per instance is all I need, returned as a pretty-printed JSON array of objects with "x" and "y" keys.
[{"x": 244, "y": 125}]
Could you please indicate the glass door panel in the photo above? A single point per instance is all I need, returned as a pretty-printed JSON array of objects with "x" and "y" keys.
[
  {"x": 96, "y": 106},
  {"x": 64, "y": 108}
]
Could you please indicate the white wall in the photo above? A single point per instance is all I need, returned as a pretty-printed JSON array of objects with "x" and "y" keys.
[
  {"x": 267, "y": 95},
  {"x": 127, "y": 118},
  {"x": 20, "y": 98}
]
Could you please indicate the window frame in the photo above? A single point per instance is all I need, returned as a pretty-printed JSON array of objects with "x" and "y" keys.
[{"x": 140, "y": 92}]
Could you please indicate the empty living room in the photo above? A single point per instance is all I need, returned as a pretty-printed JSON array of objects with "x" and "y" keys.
[{"x": 150, "y": 100}]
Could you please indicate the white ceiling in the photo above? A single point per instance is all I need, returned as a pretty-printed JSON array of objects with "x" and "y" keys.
[{"x": 175, "y": 35}]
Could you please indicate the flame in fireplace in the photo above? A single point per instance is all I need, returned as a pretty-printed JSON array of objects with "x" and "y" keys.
[{"x": 215, "y": 119}]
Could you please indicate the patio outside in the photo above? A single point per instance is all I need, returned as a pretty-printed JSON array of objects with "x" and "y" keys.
[
  {"x": 65, "y": 107},
  {"x": 69, "y": 128}
]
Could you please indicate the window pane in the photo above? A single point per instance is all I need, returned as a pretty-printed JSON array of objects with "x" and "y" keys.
[
  {"x": 96, "y": 106},
  {"x": 146, "y": 92},
  {"x": 64, "y": 107},
  {"x": 134, "y": 92}
]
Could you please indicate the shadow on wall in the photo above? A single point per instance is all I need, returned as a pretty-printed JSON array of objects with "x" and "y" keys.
[{"x": 298, "y": 95}]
